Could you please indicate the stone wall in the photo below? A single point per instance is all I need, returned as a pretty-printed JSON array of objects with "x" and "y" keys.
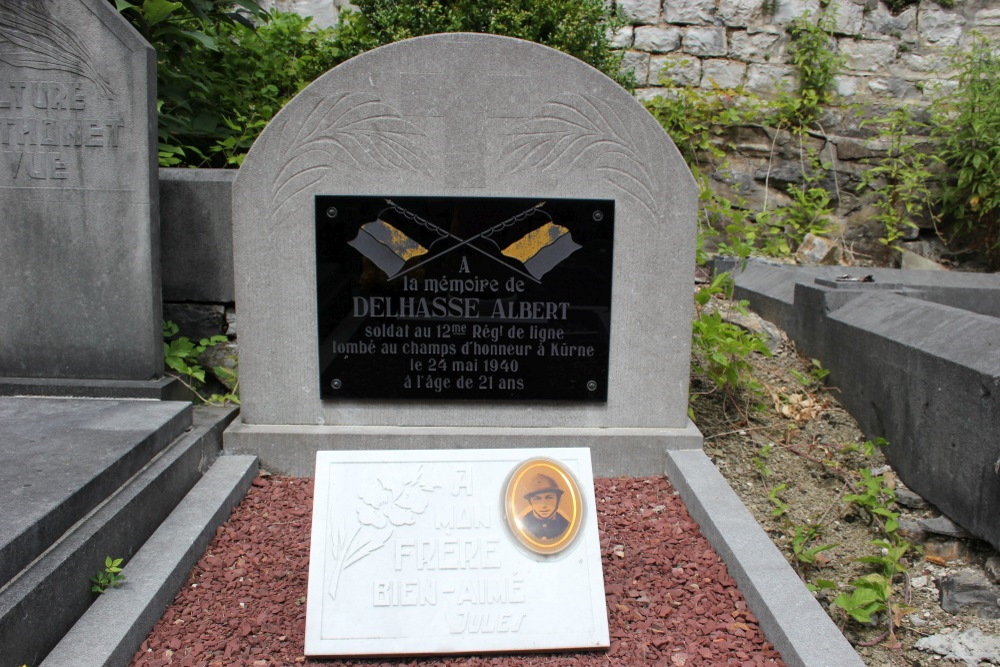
[
  {"x": 744, "y": 44},
  {"x": 888, "y": 60},
  {"x": 733, "y": 43}
]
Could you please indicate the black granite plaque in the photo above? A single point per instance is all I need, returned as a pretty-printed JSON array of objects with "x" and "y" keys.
[{"x": 464, "y": 298}]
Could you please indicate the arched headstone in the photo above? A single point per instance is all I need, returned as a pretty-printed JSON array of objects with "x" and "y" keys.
[{"x": 561, "y": 222}]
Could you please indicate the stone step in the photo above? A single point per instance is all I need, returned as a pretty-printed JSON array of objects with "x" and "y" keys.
[
  {"x": 60, "y": 458},
  {"x": 40, "y": 604},
  {"x": 116, "y": 624}
]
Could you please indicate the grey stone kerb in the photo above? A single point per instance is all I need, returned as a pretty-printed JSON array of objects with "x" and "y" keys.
[{"x": 465, "y": 115}]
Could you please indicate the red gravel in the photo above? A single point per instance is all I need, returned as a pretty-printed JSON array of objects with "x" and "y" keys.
[{"x": 670, "y": 599}]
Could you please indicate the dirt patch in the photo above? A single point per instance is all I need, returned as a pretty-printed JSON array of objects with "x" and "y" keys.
[
  {"x": 670, "y": 600},
  {"x": 792, "y": 454}
]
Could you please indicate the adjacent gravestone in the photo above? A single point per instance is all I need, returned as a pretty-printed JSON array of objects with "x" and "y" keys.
[
  {"x": 79, "y": 258},
  {"x": 427, "y": 552},
  {"x": 464, "y": 241}
]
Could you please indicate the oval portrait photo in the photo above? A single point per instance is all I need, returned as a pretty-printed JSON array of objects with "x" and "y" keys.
[{"x": 543, "y": 506}]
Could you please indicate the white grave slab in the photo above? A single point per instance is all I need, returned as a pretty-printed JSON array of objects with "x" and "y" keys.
[{"x": 411, "y": 554}]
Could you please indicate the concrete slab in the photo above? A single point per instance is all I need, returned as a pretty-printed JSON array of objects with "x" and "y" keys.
[
  {"x": 162, "y": 389},
  {"x": 55, "y": 587},
  {"x": 60, "y": 458},
  {"x": 791, "y": 618},
  {"x": 117, "y": 623},
  {"x": 914, "y": 355}
]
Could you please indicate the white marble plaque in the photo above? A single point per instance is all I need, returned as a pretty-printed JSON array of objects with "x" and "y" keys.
[{"x": 412, "y": 553}]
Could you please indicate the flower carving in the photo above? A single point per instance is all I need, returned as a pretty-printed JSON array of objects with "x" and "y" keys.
[{"x": 383, "y": 507}]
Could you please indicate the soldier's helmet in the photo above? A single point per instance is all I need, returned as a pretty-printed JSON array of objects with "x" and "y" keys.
[{"x": 542, "y": 484}]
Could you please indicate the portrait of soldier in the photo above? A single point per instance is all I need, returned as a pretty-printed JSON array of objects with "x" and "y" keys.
[{"x": 543, "y": 521}]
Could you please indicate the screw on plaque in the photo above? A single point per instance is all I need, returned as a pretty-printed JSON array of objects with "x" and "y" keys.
[
  {"x": 336, "y": 383},
  {"x": 598, "y": 215},
  {"x": 331, "y": 212},
  {"x": 591, "y": 385}
]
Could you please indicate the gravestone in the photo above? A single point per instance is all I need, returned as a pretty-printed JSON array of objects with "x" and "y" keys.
[
  {"x": 464, "y": 241},
  {"x": 427, "y": 552},
  {"x": 79, "y": 261}
]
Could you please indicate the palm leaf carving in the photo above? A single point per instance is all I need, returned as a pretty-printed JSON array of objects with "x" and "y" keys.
[
  {"x": 32, "y": 38},
  {"x": 354, "y": 129},
  {"x": 577, "y": 132}
]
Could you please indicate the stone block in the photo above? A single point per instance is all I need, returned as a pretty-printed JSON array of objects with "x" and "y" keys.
[
  {"x": 80, "y": 259},
  {"x": 677, "y": 69},
  {"x": 849, "y": 86},
  {"x": 640, "y": 11},
  {"x": 722, "y": 73},
  {"x": 657, "y": 40},
  {"x": 816, "y": 250},
  {"x": 786, "y": 11},
  {"x": 637, "y": 62},
  {"x": 768, "y": 79},
  {"x": 865, "y": 56},
  {"x": 881, "y": 23},
  {"x": 970, "y": 590},
  {"x": 622, "y": 38},
  {"x": 938, "y": 26},
  {"x": 689, "y": 11},
  {"x": 197, "y": 231},
  {"x": 705, "y": 41},
  {"x": 987, "y": 18},
  {"x": 757, "y": 47},
  {"x": 739, "y": 13},
  {"x": 848, "y": 16}
]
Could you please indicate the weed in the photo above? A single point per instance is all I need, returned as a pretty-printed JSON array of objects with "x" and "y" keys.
[
  {"x": 817, "y": 64},
  {"x": 902, "y": 180},
  {"x": 721, "y": 349},
  {"x": 181, "y": 355},
  {"x": 867, "y": 448},
  {"x": 760, "y": 459},
  {"x": 815, "y": 376},
  {"x": 780, "y": 506},
  {"x": 111, "y": 577},
  {"x": 802, "y": 537},
  {"x": 873, "y": 593},
  {"x": 967, "y": 124},
  {"x": 874, "y": 498}
]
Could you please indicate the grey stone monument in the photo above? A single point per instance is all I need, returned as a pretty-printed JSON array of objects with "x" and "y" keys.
[
  {"x": 79, "y": 258},
  {"x": 463, "y": 115}
]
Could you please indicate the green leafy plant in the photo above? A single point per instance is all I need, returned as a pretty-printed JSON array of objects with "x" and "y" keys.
[
  {"x": 721, "y": 349},
  {"x": 873, "y": 593},
  {"x": 780, "y": 506},
  {"x": 580, "y": 28},
  {"x": 221, "y": 81},
  {"x": 760, "y": 460},
  {"x": 815, "y": 376},
  {"x": 812, "y": 53},
  {"x": 967, "y": 126},
  {"x": 902, "y": 180},
  {"x": 805, "y": 544},
  {"x": 875, "y": 498},
  {"x": 181, "y": 356},
  {"x": 868, "y": 447},
  {"x": 110, "y": 577}
]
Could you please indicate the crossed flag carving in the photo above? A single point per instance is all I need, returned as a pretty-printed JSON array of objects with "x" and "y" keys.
[{"x": 538, "y": 251}]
